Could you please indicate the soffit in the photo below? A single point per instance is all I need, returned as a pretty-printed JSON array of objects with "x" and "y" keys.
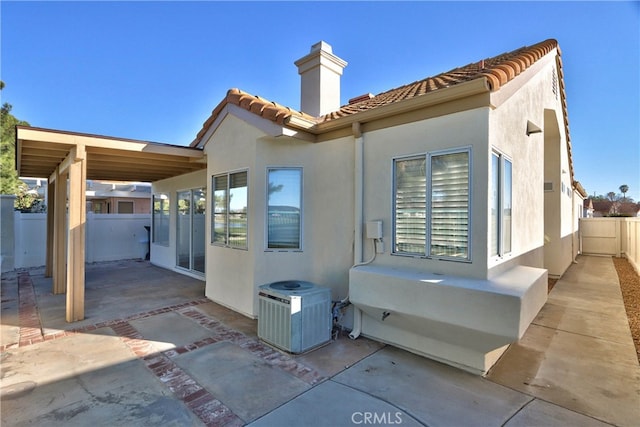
[{"x": 40, "y": 151}]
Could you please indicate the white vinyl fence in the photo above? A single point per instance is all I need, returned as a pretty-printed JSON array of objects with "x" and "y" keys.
[
  {"x": 109, "y": 237},
  {"x": 611, "y": 236}
]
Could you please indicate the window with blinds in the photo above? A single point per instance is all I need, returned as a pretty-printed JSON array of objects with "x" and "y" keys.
[
  {"x": 229, "y": 227},
  {"x": 450, "y": 205},
  {"x": 410, "y": 206},
  {"x": 432, "y": 205}
]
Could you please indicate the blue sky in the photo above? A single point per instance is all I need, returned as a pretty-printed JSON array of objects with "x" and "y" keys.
[{"x": 155, "y": 70}]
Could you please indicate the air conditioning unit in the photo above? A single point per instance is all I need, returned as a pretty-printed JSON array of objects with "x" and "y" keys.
[{"x": 294, "y": 315}]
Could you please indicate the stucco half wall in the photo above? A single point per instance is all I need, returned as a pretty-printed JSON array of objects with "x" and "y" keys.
[{"x": 467, "y": 323}]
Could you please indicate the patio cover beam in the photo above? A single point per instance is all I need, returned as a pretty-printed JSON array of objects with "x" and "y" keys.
[{"x": 40, "y": 151}]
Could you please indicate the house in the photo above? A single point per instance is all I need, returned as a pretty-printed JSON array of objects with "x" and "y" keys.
[
  {"x": 604, "y": 208},
  {"x": 438, "y": 209},
  {"x": 588, "y": 209},
  {"x": 104, "y": 197},
  {"x": 111, "y": 197},
  {"x": 630, "y": 209}
]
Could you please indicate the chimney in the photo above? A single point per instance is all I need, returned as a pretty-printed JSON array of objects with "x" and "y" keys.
[{"x": 320, "y": 73}]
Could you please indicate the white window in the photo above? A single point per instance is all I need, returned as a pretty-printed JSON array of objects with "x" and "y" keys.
[
  {"x": 501, "y": 205},
  {"x": 284, "y": 208},
  {"x": 432, "y": 201},
  {"x": 160, "y": 219},
  {"x": 230, "y": 226}
]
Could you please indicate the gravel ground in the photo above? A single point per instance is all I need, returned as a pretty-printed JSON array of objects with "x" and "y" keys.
[{"x": 630, "y": 286}]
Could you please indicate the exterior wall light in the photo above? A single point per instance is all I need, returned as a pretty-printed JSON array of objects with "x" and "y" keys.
[{"x": 532, "y": 128}]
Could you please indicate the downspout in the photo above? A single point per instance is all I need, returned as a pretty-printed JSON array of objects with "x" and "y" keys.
[
  {"x": 359, "y": 191},
  {"x": 358, "y": 186},
  {"x": 573, "y": 220}
]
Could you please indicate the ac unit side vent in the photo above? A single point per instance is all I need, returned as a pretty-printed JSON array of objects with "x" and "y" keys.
[
  {"x": 548, "y": 186},
  {"x": 274, "y": 324}
]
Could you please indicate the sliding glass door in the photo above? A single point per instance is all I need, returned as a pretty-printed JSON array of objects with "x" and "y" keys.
[{"x": 191, "y": 236}]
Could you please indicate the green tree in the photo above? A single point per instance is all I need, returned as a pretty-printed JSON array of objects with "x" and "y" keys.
[
  {"x": 623, "y": 189},
  {"x": 9, "y": 182}
]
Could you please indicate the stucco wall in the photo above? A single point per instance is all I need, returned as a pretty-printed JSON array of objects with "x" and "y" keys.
[
  {"x": 233, "y": 275},
  {"x": 458, "y": 130},
  {"x": 230, "y": 272},
  {"x": 328, "y": 227},
  {"x": 541, "y": 219},
  {"x": 165, "y": 256},
  {"x": 508, "y": 135}
]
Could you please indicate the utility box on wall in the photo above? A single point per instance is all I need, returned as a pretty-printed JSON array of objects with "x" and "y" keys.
[{"x": 374, "y": 229}]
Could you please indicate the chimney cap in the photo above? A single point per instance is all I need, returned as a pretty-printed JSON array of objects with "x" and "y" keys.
[
  {"x": 321, "y": 53},
  {"x": 322, "y": 45}
]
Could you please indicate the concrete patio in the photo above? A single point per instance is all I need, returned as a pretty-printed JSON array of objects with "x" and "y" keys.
[{"x": 153, "y": 351}]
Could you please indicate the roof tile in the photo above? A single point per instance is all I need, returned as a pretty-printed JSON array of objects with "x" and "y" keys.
[{"x": 498, "y": 71}]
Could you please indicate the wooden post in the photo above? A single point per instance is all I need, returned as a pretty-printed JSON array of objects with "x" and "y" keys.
[
  {"x": 48, "y": 262},
  {"x": 60, "y": 233},
  {"x": 76, "y": 239}
]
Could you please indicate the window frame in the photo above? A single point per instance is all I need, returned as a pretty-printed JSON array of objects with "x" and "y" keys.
[
  {"x": 428, "y": 250},
  {"x": 300, "y": 247},
  {"x": 502, "y": 251},
  {"x": 164, "y": 198},
  {"x": 126, "y": 203},
  {"x": 227, "y": 241}
]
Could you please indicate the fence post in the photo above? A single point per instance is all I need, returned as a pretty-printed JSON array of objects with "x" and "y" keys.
[{"x": 618, "y": 239}]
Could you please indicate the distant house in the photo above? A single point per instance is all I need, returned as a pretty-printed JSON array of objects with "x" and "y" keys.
[
  {"x": 438, "y": 208},
  {"x": 604, "y": 208},
  {"x": 109, "y": 197},
  {"x": 629, "y": 209},
  {"x": 588, "y": 209},
  {"x": 104, "y": 197}
]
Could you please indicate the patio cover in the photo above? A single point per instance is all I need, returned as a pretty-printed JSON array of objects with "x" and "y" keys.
[{"x": 60, "y": 156}]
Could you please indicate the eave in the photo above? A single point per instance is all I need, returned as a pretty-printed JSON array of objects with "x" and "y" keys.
[{"x": 40, "y": 151}]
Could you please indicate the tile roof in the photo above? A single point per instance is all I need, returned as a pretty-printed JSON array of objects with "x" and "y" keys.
[
  {"x": 255, "y": 104},
  {"x": 497, "y": 70}
]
